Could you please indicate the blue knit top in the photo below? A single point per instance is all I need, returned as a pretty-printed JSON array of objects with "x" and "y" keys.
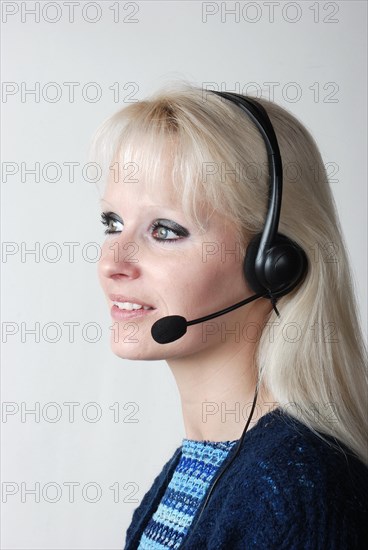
[
  {"x": 286, "y": 489},
  {"x": 197, "y": 466}
]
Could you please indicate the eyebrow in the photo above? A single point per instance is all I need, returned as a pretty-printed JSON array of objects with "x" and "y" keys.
[{"x": 152, "y": 206}]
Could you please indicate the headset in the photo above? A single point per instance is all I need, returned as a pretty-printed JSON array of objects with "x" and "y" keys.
[{"x": 274, "y": 264}]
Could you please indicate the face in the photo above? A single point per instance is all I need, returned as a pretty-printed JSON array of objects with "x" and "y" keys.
[{"x": 155, "y": 256}]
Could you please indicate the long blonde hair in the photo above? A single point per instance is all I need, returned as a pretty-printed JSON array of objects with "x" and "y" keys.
[{"x": 312, "y": 358}]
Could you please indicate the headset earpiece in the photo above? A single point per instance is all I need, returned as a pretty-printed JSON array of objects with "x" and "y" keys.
[
  {"x": 249, "y": 265},
  {"x": 279, "y": 270}
]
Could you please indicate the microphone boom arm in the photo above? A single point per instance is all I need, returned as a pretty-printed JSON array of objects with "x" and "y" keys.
[{"x": 226, "y": 310}]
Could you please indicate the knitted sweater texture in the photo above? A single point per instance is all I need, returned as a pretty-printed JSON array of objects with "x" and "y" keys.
[
  {"x": 198, "y": 464},
  {"x": 286, "y": 489}
]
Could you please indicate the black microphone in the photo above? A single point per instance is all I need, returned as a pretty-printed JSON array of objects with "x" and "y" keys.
[{"x": 170, "y": 328}]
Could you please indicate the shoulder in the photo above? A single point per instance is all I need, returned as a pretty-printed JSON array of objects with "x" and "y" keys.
[
  {"x": 297, "y": 489},
  {"x": 301, "y": 457}
]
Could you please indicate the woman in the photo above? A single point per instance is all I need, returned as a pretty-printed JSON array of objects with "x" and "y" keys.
[{"x": 273, "y": 398}]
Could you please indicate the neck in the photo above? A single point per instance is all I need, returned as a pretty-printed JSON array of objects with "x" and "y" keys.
[{"x": 217, "y": 392}]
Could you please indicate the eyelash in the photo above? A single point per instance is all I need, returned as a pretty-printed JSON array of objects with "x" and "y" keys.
[{"x": 106, "y": 218}]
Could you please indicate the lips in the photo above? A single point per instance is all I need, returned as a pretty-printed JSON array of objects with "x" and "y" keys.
[
  {"x": 131, "y": 299},
  {"x": 126, "y": 314}
]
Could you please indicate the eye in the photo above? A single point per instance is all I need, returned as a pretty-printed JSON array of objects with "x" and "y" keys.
[
  {"x": 106, "y": 218},
  {"x": 164, "y": 230}
]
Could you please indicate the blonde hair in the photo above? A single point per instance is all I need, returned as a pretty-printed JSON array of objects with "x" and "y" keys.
[{"x": 318, "y": 372}]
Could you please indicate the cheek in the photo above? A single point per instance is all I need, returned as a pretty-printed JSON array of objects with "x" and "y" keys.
[
  {"x": 202, "y": 285},
  {"x": 220, "y": 283},
  {"x": 184, "y": 286}
]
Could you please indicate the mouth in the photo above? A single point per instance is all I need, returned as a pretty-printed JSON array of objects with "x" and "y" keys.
[
  {"x": 129, "y": 303},
  {"x": 120, "y": 314},
  {"x": 129, "y": 307}
]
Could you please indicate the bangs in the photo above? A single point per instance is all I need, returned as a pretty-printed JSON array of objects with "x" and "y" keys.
[
  {"x": 156, "y": 160},
  {"x": 176, "y": 139},
  {"x": 150, "y": 148}
]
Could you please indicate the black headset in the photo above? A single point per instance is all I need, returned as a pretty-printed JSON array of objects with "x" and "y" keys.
[{"x": 273, "y": 262}]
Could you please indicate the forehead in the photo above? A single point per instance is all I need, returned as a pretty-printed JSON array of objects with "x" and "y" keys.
[{"x": 132, "y": 187}]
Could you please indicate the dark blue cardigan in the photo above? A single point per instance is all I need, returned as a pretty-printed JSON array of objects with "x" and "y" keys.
[{"x": 286, "y": 489}]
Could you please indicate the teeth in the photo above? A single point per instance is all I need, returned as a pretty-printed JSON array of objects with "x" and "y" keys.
[{"x": 130, "y": 306}]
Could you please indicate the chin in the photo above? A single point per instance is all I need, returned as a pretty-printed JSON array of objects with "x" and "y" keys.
[{"x": 135, "y": 352}]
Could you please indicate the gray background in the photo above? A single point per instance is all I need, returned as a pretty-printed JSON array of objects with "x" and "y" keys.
[{"x": 319, "y": 54}]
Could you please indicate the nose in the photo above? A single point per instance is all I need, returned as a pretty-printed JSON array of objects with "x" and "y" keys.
[{"x": 119, "y": 258}]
